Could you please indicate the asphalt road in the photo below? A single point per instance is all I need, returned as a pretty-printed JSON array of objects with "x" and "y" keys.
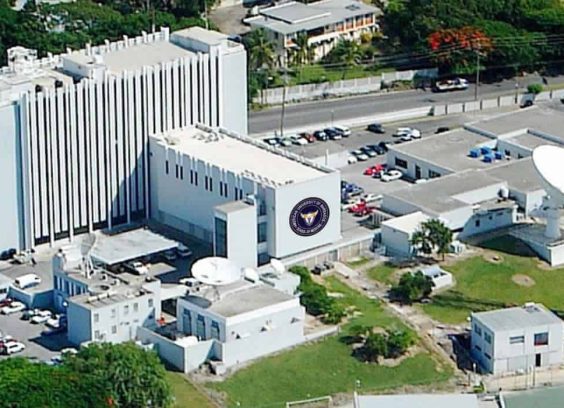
[{"x": 310, "y": 113}]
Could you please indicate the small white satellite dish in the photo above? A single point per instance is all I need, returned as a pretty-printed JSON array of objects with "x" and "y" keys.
[
  {"x": 277, "y": 266},
  {"x": 216, "y": 271},
  {"x": 548, "y": 163}
]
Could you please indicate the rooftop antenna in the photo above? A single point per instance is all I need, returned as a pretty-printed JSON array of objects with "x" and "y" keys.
[{"x": 86, "y": 246}]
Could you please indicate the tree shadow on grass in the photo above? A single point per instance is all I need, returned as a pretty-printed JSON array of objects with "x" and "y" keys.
[{"x": 457, "y": 300}]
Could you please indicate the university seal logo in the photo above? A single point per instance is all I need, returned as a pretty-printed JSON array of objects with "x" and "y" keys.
[{"x": 309, "y": 216}]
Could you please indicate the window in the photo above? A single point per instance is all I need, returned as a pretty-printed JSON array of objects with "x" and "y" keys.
[
  {"x": 220, "y": 237},
  {"x": 136, "y": 307},
  {"x": 477, "y": 330},
  {"x": 401, "y": 163},
  {"x": 97, "y": 335},
  {"x": 96, "y": 317},
  {"x": 262, "y": 208},
  {"x": 507, "y": 153},
  {"x": 541, "y": 339},
  {"x": 114, "y": 329},
  {"x": 488, "y": 356},
  {"x": 181, "y": 173},
  {"x": 191, "y": 176},
  {"x": 516, "y": 339},
  {"x": 434, "y": 174},
  {"x": 113, "y": 313},
  {"x": 488, "y": 338},
  {"x": 261, "y": 232},
  {"x": 263, "y": 258},
  {"x": 215, "y": 330},
  {"x": 477, "y": 223},
  {"x": 126, "y": 310},
  {"x": 166, "y": 166},
  {"x": 150, "y": 302},
  {"x": 478, "y": 347},
  {"x": 201, "y": 327},
  {"x": 176, "y": 170}
]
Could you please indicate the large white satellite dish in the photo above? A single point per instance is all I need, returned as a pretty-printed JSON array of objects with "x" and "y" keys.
[
  {"x": 549, "y": 163},
  {"x": 216, "y": 271}
]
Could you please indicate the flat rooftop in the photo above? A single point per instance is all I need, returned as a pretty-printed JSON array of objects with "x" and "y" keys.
[
  {"x": 241, "y": 155},
  {"x": 233, "y": 206},
  {"x": 439, "y": 195},
  {"x": 242, "y": 301},
  {"x": 541, "y": 119},
  {"x": 520, "y": 175},
  {"x": 111, "y": 298},
  {"x": 134, "y": 56},
  {"x": 293, "y": 17},
  {"x": 530, "y": 141},
  {"x": 418, "y": 401},
  {"x": 544, "y": 397},
  {"x": 514, "y": 318},
  {"x": 447, "y": 150},
  {"x": 125, "y": 246},
  {"x": 407, "y": 223}
]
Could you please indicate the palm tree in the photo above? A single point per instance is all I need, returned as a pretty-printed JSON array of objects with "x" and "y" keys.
[
  {"x": 260, "y": 50},
  {"x": 304, "y": 52},
  {"x": 421, "y": 242},
  {"x": 350, "y": 56}
]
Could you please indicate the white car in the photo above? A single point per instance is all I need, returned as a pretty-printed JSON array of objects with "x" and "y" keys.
[
  {"x": 137, "y": 267},
  {"x": 300, "y": 141},
  {"x": 183, "y": 251},
  {"x": 352, "y": 159},
  {"x": 405, "y": 137},
  {"x": 345, "y": 131},
  {"x": 415, "y": 133},
  {"x": 14, "y": 307},
  {"x": 360, "y": 156},
  {"x": 368, "y": 198},
  {"x": 54, "y": 322},
  {"x": 69, "y": 350},
  {"x": 13, "y": 347},
  {"x": 391, "y": 175},
  {"x": 41, "y": 317},
  {"x": 286, "y": 141}
]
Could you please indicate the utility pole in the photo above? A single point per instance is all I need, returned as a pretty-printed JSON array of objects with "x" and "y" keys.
[
  {"x": 477, "y": 74},
  {"x": 285, "y": 76}
]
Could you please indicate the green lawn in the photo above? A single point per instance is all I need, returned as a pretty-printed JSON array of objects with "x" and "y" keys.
[
  {"x": 483, "y": 285},
  {"x": 185, "y": 393},
  {"x": 315, "y": 73},
  {"x": 382, "y": 273},
  {"x": 327, "y": 367},
  {"x": 358, "y": 262}
]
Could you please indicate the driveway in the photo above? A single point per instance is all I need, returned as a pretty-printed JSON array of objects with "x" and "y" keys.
[{"x": 228, "y": 19}]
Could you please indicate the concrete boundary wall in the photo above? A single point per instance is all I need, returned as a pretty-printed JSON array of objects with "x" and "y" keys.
[{"x": 304, "y": 92}]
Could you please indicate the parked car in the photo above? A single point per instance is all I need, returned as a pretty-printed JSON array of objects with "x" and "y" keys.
[
  {"x": 299, "y": 140},
  {"x": 352, "y": 159},
  {"x": 13, "y": 347},
  {"x": 360, "y": 155},
  {"x": 6, "y": 302},
  {"x": 343, "y": 130},
  {"x": 377, "y": 168},
  {"x": 320, "y": 135},
  {"x": 41, "y": 317},
  {"x": 137, "y": 267},
  {"x": 376, "y": 128},
  {"x": 183, "y": 251},
  {"x": 319, "y": 269},
  {"x": 368, "y": 151},
  {"x": 391, "y": 175},
  {"x": 170, "y": 255},
  {"x": 13, "y": 307},
  {"x": 307, "y": 136},
  {"x": 442, "y": 129},
  {"x": 456, "y": 84},
  {"x": 406, "y": 137},
  {"x": 57, "y": 321},
  {"x": 286, "y": 141},
  {"x": 29, "y": 313},
  {"x": 7, "y": 254},
  {"x": 332, "y": 134},
  {"x": 377, "y": 148},
  {"x": 370, "y": 197},
  {"x": 526, "y": 104},
  {"x": 384, "y": 145},
  {"x": 415, "y": 133},
  {"x": 272, "y": 141}
]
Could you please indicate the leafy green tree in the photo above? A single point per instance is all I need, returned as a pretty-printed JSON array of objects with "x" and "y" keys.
[
  {"x": 133, "y": 377},
  {"x": 421, "y": 242},
  {"x": 440, "y": 236},
  {"x": 535, "y": 89},
  {"x": 412, "y": 287},
  {"x": 260, "y": 50},
  {"x": 399, "y": 342},
  {"x": 359, "y": 332},
  {"x": 375, "y": 346}
]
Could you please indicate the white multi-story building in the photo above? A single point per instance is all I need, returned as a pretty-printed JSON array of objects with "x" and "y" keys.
[
  {"x": 244, "y": 321},
  {"x": 324, "y": 22},
  {"x": 74, "y": 127},
  {"x": 517, "y": 338},
  {"x": 252, "y": 201}
]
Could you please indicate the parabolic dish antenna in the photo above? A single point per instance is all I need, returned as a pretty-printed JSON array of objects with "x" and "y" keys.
[
  {"x": 278, "y": 266},
  {"x": 549, "y": 163},
  {"x": 216, "y": 271}
]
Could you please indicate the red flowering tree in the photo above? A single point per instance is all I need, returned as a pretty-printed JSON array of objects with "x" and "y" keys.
[{"x": 455, "y": 49}]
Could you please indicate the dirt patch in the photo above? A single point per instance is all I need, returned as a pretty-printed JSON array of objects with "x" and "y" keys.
[
  {"x": 523, "y": 280},
  {"x": 493, "y": 257}
]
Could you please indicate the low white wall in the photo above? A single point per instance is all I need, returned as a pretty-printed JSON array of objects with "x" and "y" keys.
[{"x": 167, "y": 349}]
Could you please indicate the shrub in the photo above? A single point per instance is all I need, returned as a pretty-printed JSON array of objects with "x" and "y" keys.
[{"x": 535, "y": 89}]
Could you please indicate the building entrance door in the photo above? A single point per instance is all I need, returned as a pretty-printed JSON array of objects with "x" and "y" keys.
[{"x": 538, "y": 360}]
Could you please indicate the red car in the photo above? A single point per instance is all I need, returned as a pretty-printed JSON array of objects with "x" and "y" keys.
[
  {"x": 6, "y": 302},
  {"x": 307, "y": 136},
  {"x": 361, "y": 209},
  {"x": 377, "y": 168}
]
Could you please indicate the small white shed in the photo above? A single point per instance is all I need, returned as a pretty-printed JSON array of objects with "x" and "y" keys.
[{"x": 397, "y": 232}]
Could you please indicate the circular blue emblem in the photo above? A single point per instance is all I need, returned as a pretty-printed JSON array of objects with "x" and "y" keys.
[{"x": 309, "y": 216}]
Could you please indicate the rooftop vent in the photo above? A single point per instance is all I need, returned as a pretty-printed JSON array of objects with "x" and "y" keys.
[{"x": 353, "y": 7}]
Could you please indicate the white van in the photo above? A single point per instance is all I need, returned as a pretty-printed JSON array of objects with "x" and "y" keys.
[
  {"x": 26, "y": 281},
  {"x": 343, "y": 130}
]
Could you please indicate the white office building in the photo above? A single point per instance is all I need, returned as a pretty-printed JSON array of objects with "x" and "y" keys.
[
  {"x": 516, "y": 339},
  {"x": 252, "y": 201},
  {"x": 74, "y": 127},
  {"x": 242, "y": 322}
]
